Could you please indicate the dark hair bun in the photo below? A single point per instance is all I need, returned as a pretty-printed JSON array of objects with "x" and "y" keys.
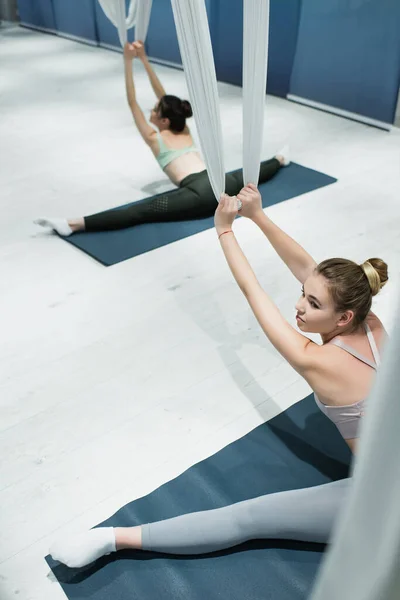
[
  {"x": 186, "y": 109},
  {"x": 176, "y": 111}
]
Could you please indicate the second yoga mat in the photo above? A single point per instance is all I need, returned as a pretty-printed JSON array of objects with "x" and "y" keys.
[{"x": 112, "y": 247}]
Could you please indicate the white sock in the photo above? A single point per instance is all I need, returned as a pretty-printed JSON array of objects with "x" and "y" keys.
[
  {"x": 83, "y": 549},
  {"x": 59, "y": 225},
  {"x": 286, "y": 156}
]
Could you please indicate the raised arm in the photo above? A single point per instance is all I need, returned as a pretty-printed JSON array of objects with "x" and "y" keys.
[
  {"x": 293, "y": 255},
  {"x": 155, "y": 82},
  {"x": 294, "y": 347},
  {"x": 147, "y": 132}
]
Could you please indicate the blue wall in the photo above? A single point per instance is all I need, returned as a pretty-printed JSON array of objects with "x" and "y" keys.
[
  {"x": 76, "y": 17},
  {"x": 348, "y": 55},
  {"x": 283, "y": 31},
  {"x": 227, "y": 35},
  {"x": 162, "y": 41},
  {"x": 343, "y": 53},
  {"x": 38, "y": 13}
]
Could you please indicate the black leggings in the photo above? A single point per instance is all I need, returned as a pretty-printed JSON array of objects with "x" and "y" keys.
[{"x": 193, "y": 200}]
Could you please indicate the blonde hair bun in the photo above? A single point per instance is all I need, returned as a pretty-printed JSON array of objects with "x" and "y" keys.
[{"x": 376, "y": 271}]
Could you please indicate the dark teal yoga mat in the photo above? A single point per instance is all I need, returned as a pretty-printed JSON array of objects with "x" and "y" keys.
[
  {"x": 298, "y": 448},
  {"x": 112, "y": 247}
]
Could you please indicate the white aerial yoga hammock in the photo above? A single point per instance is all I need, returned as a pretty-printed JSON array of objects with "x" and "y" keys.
[
  {"x": 138, "y": 16},
  {"x": 198, "y": 63},
  {"x": 255, "y": 63},
  {"x": 363, "y": 560}
]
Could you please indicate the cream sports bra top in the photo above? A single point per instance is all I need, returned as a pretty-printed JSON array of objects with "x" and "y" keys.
[
  {"x": 167, "y": 155},
  {"x": 347, "y": 418}
]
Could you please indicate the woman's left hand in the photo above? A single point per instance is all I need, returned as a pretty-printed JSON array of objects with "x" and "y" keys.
[
  {"x": 140, "y": 51},
  {"x": 129, "y": 51},
  {"x": 226, "y": 213}
]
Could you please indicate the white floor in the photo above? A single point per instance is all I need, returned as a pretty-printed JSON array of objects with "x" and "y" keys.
[{"x": 114, "y": 380}]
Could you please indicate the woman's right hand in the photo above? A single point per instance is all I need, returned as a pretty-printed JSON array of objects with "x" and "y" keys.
[
  {"x": 251, "y": 201},
  {"x": 140, "y": 51},
  {"x": 129, "y": 51}
]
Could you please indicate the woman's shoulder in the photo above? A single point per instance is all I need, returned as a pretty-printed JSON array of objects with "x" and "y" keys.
[
  {"x": 373, "y": 320},
  {"x": 328, "y": 352},
  {"x": 376, "y": 325}
]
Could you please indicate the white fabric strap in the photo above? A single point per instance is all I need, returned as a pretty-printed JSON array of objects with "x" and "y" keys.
[
  {"x": 142, "y": 19},
  {"x": 255, "y": 62},
  {"x": 138, "y": 16},
  {"x": 198, "y": 63},
  {"x": 115, "y": 12},
  {"x": 132, "y": 12},
  {"x": 363, "y": 558},
  {"x": 108, "y": 7},
  {"x": 121, "y": 23}
]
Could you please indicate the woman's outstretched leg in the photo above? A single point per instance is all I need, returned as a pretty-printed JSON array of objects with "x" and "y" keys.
[
  {"x": 306, "y": 515},
  {"x": 64, "y": 227},
  {"x": 177, "y": 205},
  {"x": 172, "y": 206},
  {"x": 194, "y": 200},
  {"x": 269, "y": 168}
]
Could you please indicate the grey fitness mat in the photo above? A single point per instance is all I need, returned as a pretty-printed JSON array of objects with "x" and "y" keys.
[
  {"x": 298, "y": 448},
  {"x": 112, "y": 247}
]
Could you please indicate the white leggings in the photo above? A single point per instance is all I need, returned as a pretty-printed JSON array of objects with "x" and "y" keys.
[{"x": 306, "y": 515}]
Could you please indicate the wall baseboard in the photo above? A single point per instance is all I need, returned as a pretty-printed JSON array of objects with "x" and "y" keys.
[
  {"x": 341, "y": 113},
  {"x": 166, "y": 63},
  {"x": 36, "y": 28},
  {"x": 77, "y": 38},
  {"x": 68, "y": 36}
]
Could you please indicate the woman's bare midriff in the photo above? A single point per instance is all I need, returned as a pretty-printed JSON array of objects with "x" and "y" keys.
[{"x": 183, "y": 166}]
